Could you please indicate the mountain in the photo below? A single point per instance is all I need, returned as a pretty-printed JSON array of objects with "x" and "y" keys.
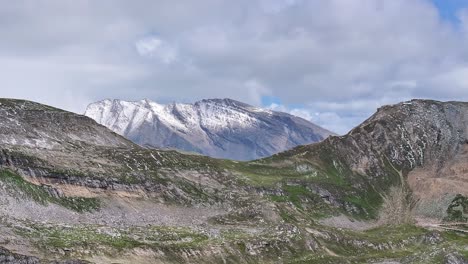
[
  {"x": 220, "y": 128},
  {"x": 420, "y": 144},
  {"x": 73, "y": 191}
]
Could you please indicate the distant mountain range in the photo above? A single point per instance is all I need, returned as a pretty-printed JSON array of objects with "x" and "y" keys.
[{"x": 220, "y": 128}]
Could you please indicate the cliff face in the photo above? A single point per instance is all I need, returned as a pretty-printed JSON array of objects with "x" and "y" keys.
[
  {"x": 73, "y": 191},
  {"x": 220, "y": 128}
]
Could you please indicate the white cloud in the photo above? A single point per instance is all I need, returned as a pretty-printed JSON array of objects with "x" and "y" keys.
[
  {"x": 453, "y": 81},
  {"x": 256, "y": 90},
  {"x": 340, "y": 60},
  {"x": 154, "y": 47},
  {"x": 276, "y": 6},
  {"x": 329, "y": 120},
  {"x": 463, "y": 17}
]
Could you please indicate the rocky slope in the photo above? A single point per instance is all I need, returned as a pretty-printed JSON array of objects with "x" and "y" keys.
[
  {"x": 421, "y": 144},
  {"x": 220, "y": 128},
  {"x": 72, "y": 191}
]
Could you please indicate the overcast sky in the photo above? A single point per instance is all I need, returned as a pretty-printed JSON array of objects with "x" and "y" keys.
[{"x": 331, "y": 61}]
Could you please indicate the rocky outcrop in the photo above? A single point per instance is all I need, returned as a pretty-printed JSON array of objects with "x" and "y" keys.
[{"x": 7, "y": 257}]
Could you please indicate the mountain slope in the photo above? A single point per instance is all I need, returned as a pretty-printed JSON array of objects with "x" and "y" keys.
[
  {"x": 73, "y": 191},
  {"x": 421, "y": 144},
  {"x": 220, "y": 128}
]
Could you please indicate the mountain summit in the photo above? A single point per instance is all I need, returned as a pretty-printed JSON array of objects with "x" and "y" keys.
[{"x": 221, "y": 128}]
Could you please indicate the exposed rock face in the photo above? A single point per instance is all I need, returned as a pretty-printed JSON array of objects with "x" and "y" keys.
[{"x": 220, "y": 128}]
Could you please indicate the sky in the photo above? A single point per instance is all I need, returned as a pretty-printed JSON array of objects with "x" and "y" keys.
[{"x": 333, "y": 62}]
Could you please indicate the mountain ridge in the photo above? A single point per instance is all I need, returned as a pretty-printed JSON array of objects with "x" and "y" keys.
[{"x": 222, "y": 128}]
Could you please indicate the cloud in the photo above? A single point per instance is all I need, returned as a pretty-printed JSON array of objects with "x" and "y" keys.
[
  {"x": 256, "y": 90},
  {"x": 463, "y": 17},
  {"x": 154, "y": 47},
  {"x": 276, "y": 6},
  {"x": 458, "y": 78},
  {"x": 337, "y": 60},
  {"x": 330, "y": 120}
]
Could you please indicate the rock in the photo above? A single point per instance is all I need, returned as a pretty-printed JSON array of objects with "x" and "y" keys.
[
  {"x": 454, "y": 258},
  {"x": 7, "y": 257}
]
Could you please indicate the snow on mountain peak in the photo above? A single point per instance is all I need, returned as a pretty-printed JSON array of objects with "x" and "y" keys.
[{"x": 217, "y": 127}]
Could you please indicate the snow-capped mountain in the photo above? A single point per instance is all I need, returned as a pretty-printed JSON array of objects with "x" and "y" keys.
[{"x": 221, "y": 128}]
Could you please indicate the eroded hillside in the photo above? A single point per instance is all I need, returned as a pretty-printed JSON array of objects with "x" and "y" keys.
[{"x": 72, "y": 190}]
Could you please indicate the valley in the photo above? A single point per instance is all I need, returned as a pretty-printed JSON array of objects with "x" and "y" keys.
[{"x": 390, "y": 191}]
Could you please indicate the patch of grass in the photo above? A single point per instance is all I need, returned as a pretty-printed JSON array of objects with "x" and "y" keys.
[
  {"x": 19, "y": 187},
  {"x": 266, "y": 176},
  {"x": 397, "y": 242},
  {"x": 111, "y": 239},
  {"x": 67, "y": 237},
  {"x": 456, "y": 238},
  {"x": 393, "y": 233},
  {"x": 368, "y": 203},
  {"x": 22, "y": 187},
  {"x": 287, "y": 216},
  {"x": 176, "y": 236},
  {"x": 78, "y": 204},
  {"x": 293, "y": 194}
]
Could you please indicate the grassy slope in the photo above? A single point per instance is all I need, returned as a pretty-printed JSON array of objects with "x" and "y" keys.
[{"x": 330, "y": 245}]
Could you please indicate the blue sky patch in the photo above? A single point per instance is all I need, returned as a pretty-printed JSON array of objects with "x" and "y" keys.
[
  {"x": 448, "y": 9},
  {"x": 268, "y": 100}
]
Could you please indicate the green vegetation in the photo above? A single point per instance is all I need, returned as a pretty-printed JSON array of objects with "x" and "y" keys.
[
  {"x": 89, "y": 240},
  {"x": 406, "y": 243},
  {"x": 458, "y": 209},
  {"x": 367, "y": 203},
  {"x": 78, "y": 204},
  {"x": 40, "y": 195},
  {"x": 266, "y": 176},
  {"x": 294, "y": 194},
  {"x": 287, "y": 216},
  {"x": 97, "y": 238},
  {"x": 391, "y": 233},
  {"x": 456, "y": 241},
  {"x": 308, "y": 204}
]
